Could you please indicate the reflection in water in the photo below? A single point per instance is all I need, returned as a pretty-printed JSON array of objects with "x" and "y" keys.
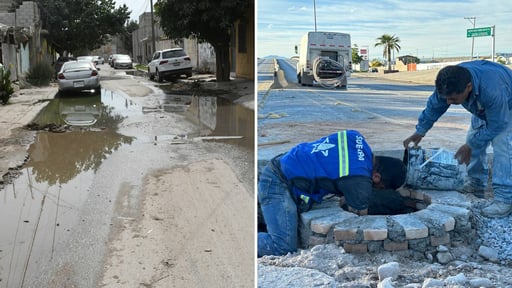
[
  {"x": 82, "y": 111},
  {"x": 105, "y": 110},
  {"x": 235, "y": 120},
  {"x": 40, "y": 208},
  {"x": 58, "y": 157},
  {"x": 225, "y": 118}
]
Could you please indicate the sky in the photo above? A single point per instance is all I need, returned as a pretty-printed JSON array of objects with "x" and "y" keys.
[
  {"x": 426, "y": 29},
  {"x": 136, "y": 6}
]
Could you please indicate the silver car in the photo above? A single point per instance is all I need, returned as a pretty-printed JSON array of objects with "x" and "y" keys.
[
  {"x": 78, "y": 76},
  {"x": 122, "y": 61}
]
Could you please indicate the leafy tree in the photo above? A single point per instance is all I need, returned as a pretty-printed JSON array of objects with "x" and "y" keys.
[
  {"x": 208, "y": 21},
  {"x": 409, "y": 59},
  {"x": 389, "y": 43},
  {"x": 77, "y": 26},
  {"x": 356, "y": 58}
]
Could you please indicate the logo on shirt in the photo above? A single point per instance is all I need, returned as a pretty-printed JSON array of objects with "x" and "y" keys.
[{"x": 323, "y": 147}]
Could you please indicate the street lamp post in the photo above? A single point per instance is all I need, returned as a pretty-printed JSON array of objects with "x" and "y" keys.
[
  {"x": 472, "y": 19},
  {"x": 314, "y": 11},
  {"x": 152, "y": 29}
]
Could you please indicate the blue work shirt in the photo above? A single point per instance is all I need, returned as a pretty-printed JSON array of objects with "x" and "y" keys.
[
  {"x": 489, "y": 101},
  {"x": 341, "y": 154}
]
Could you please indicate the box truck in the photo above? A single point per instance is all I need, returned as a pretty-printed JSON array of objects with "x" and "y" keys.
[{"x": 325, "y": 58}]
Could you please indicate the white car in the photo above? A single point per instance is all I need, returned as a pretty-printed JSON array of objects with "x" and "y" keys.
[
  {"x": 99, "y": 60},
  {"x": 122, "y": 61},
  {"x": 169, "y": 63},
  {"x": 77, "y": 76}
]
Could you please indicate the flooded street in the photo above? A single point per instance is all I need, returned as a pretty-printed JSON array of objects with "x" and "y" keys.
[{"x": 83, "y": 182}]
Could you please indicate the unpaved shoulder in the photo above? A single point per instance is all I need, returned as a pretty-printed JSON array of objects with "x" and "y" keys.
[{"x": 195, "y": 230}]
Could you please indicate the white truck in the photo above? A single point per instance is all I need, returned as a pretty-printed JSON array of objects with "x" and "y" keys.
[{"x": 325, "y": 58}]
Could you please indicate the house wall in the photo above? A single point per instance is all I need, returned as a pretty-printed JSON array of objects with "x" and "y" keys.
[
  {"x": 202, "y": 54},
  {"x": 21, "y": 41},
  {"x": 245, "y": 57}
]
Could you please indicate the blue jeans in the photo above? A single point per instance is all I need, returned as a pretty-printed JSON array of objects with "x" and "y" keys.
[
  {"x": 501, "y": 163},
  {"x": 280, "y": 214}
]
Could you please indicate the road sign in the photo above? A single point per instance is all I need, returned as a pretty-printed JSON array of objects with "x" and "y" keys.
[{"x": 479, "y": 32}]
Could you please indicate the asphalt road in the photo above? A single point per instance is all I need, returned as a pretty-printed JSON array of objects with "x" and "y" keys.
[{"x": 384, "y": 111}]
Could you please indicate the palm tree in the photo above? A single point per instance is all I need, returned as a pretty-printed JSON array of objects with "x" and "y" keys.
[{"x": 390, "y": 43}]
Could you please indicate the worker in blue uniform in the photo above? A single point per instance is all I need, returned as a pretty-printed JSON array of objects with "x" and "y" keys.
[
  {"x": 341, "y": 164},
  {"x": 483, "y": 88}
]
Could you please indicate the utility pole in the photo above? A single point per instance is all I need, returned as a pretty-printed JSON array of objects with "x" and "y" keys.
[
  {"x": 314, "y": 10},
  {"x": 472, "y": 19},
  {"x": 152, "y": 29}
]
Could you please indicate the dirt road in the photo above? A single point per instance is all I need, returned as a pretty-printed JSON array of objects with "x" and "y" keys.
[
  {"x": 194, "y": 229},
  {"x": 184, "y": 211}
]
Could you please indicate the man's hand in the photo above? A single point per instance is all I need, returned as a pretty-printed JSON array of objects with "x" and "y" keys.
[
  {"x": 414, "y": 138},
  {"x": 463, "y": 155}
]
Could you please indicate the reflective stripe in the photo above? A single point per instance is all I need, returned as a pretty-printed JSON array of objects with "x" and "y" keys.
[
  {"x": 343, "y": 158},
  {"x": 304, "y": 198}
]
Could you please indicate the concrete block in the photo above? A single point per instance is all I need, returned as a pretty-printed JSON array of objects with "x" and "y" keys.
[
  {"x": 316, "y": 240},
  {"x": 436, "y": 220},
  {"x": 353, "y": 228},
  {"x": 355, "y": 248},
  {"x": 376, "y": 228},
  {"x": 395, "y": 246},
  {"x": 460, "y": 214},
  {"x": 452, "y": 198},
  {"x": 345, "y": 234},
  {"x": 412, "y": 226},
  {"x": 306, "y": 218},
  {"x": 323, "y": 225},
  {"x": 442, "y": 240}
]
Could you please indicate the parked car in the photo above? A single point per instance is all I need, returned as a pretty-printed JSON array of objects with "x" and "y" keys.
[
  {"x": 122, "y": 61},
  {"x": 85, "y": 58},
  {"x": 78, "y": 76},
  {"x": 111, "y": 59},
  {"x": 91, "y": 59},
  {"x": 61, "y": 60},
  {"x": 99, "y": 60},
  {"x": 169, "y": 63}
]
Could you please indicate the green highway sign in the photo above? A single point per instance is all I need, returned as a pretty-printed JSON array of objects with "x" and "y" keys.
[{"x": 479, "y": 32}]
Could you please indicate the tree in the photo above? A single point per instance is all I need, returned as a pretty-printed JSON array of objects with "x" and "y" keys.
[
  {"x": 78, "y": 26},
  {"x": 389, "y": 43},
  {"x": 126, "y": 35},
  {"x": 205, "y": 20},
  {"x": 356, "y": 58}
]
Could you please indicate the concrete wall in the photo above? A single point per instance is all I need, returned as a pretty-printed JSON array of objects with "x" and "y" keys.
[
  {"x": 244, "y": 59},
  {"x": 20, "y": 37}
]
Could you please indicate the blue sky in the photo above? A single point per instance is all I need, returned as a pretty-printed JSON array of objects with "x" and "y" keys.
[{"x": 426, "y": 28}]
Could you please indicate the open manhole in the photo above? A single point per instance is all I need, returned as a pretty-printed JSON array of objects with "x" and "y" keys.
[{"x": 435, "y": 217}]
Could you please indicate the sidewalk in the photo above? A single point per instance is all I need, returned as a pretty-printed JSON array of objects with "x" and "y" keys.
[{"x": 22, "y": 108}]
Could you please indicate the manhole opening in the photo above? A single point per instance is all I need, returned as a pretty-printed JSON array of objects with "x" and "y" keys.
[{"x": 393, "y": 202}]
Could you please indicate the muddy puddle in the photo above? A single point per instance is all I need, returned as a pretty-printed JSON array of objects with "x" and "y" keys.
[{"x": 41, "y": 207}]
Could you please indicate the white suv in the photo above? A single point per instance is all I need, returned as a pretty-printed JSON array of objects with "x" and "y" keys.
[{"x": 168, "y": 63}]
